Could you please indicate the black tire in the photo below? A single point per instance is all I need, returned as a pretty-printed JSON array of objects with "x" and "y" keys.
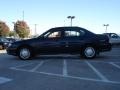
[
  {"x": 89, "y": 52},
  {"x": 24, "y": 53}
]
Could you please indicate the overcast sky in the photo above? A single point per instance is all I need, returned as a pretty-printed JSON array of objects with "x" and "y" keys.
[{"x": 89, "y": 14}]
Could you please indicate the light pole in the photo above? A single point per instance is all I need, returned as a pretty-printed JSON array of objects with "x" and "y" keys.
[
  {"x": 23, "y": 15},
  {"x": 71, "y": 18},
  {"x": 35, "y": 29},
  {"x": 14, "y": 29},
  {"x": 106, "y": 25}
]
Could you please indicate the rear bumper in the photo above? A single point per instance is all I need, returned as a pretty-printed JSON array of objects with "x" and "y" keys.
[{"x": 105, "y": 47}]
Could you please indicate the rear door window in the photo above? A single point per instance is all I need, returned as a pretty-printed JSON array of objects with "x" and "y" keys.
[{"x": 72, "y": 34}]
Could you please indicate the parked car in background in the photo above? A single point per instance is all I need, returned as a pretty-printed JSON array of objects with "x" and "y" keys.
[
  {"x": 3, "y": 43},
  {"x": 114, "y": 38},
  {"x": 11, "y": 39},
  {"x": 61, "y": 40}
]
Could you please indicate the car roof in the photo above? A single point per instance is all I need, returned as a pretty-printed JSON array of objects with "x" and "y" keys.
[{"x": 67, "y": 27}]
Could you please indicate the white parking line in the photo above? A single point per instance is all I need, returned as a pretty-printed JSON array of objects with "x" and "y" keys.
[
  {"x": 22, "y": 65},
  {"x": 36, "y": 67},
  {"x": 97, "y": 72},
  {"x": 4, "y": 80},
  {"x": 75, "y": 77},
  {"x": 104, "y": 61},
  {"x": 71, "y": 77},
  {"x": 117, "y": 66},
  {"x": 65, "y": 73},
  {"x": 114, "y": 55}
]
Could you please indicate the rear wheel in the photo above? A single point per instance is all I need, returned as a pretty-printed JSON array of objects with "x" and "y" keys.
[
  {"x": 89, "y": 52},
  {"x": 24, "y": 53}
]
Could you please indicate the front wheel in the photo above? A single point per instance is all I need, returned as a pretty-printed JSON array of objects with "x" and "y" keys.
[
  {"x": 24, "y": 53},
  {"x": 89, "y": 52}
]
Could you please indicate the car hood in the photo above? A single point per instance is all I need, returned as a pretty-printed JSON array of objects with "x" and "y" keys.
[{"x": 24, "y": 41}]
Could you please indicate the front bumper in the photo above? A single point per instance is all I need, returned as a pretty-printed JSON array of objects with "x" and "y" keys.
[{"x": 11, "y": 51}]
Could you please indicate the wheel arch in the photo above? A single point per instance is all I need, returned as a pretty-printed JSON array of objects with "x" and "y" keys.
[
  {"x": 27, "y": 46},
  {"x": 92, "y": 45}
]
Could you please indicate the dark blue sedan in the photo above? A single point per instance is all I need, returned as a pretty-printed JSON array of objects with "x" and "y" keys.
[{"x": 61, "y": 40}]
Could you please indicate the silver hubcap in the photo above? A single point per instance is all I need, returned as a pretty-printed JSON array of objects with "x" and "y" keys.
[
  {"x": 89, "y": 52},
  {"x": 24, "y": 53}
]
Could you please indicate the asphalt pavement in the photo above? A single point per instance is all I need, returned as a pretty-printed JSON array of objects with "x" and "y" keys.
[{"x": 61, "y": 72}]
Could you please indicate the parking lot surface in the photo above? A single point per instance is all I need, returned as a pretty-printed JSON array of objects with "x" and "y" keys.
[{"x": 61, "y": 72}]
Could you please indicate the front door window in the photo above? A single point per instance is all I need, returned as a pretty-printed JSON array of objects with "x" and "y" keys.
[{"x": 56, "y": 34}]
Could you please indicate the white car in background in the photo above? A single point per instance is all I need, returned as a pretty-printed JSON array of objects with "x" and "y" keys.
[{"x": 113, "y": 37}]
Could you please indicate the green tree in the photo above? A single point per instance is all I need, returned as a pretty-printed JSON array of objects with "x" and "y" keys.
[
  {"x": 22, "y": 29},
  {"x": 12, "y": 33},
  {"x": 4, "y": 29}
]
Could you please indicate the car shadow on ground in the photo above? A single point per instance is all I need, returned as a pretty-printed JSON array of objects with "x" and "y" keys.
[
  {"x": 58, "y": 57},
  {"x": 70, "y": 57}
]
